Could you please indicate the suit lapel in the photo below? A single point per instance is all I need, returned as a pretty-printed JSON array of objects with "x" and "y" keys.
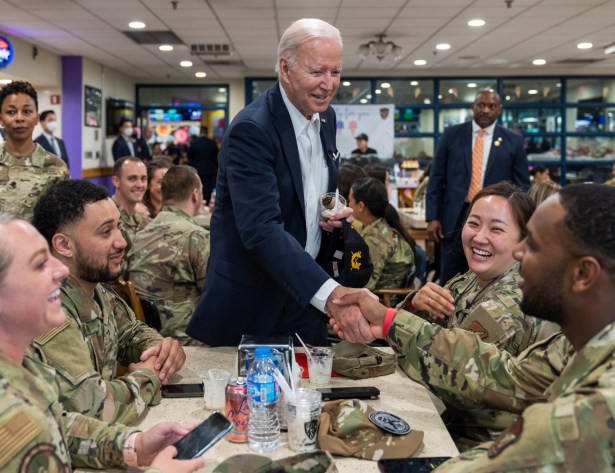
[
  {"x": 494, "y": 152},
  {"x": 466, "y": 143},
  {"x": 327, "y": 123}
]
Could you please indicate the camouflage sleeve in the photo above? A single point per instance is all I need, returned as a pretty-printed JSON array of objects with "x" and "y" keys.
[
  {"x": 198, "y": 251},
  {"x": 81, "y": 387},
  {"x": 463, "y": 371},
  {"x": 378, "y": 255},
  {"x": 572, "y": 433}
]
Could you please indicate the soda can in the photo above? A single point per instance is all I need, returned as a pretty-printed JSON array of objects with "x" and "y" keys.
[{"x": 237, "y": 410}]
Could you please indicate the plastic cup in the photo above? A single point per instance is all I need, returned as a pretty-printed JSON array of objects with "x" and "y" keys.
[
  {"x": 327, "y": 207},
  {"x": 214, "y": 385},
  {"x": 302, "y": 419},
  {"x": 320, "y": 364}
]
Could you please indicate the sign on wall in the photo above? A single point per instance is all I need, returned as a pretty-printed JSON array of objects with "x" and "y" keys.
[
  {"x": 6, "y": 52},
  {"x": 376, "y": 121}
]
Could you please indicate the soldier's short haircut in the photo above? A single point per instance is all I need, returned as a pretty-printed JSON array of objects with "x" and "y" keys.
[
  {"x": 18, "y": 87},
  {"x": 117, "y": 167},
  {"x": 178, "y": 183},
  {"x": 590, "y": 221},
  {"x": 6, "y": 255},
  {"x": 64, "y": 204}
]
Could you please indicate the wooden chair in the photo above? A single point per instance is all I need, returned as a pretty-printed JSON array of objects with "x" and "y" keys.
[
  {"x": 127, "y": 291},
  {"x": 391, "y": 296}
]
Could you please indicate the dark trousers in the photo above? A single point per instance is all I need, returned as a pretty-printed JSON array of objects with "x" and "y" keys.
[
  {"x": 209, "y": 182},
  {"x": 308, "y": 323},
  {"x": 452, "y": 258}
]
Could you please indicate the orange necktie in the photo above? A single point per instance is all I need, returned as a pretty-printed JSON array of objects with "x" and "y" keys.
[{"x": 476, "y": 182}]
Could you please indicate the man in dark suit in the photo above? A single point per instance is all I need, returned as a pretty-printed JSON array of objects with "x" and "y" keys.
[
  {"x": 47, "y": 140},
  {"x": 502, "y": 158},
  {"x": 126, "y": 145},
  {"x": 277, "y": 157},
  {"x": 203, "y": 156}
]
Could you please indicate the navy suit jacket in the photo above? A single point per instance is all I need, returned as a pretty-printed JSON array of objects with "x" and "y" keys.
[
  {"x": 119, "y": 149},
  {"x": 451, "y": 170},
  {"x": 44, "y": 142},
  {"x": 258, "y": 229},
  {"x": 203, "y": 156}
]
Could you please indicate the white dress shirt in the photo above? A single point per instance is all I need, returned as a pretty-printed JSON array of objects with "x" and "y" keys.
[{"x": 53, "y": 141}]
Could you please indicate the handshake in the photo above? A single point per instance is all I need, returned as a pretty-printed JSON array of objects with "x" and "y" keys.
[{"x": 356, "y": 314}]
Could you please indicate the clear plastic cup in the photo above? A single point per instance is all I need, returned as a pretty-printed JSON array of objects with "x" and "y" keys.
[
  {"x": 214, "y": 384},
  {"x": 327, "y": 207},
  {"x": 302, "y": 419},
  {"x": 320, "y": 364}
]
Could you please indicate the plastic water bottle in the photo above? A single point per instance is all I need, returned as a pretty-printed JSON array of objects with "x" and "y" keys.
[{"x": 263, "y": 394}]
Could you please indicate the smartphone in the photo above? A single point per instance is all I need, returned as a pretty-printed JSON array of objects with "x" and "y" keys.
[
  {"x": 411, "y": 465},
  {"x": 182, "y": 390},
  {"x": 351, "y": 392},
  {"x": 204, "y": 436}
]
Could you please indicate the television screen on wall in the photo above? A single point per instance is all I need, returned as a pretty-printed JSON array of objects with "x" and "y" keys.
[{"x": 118, "y": 110}]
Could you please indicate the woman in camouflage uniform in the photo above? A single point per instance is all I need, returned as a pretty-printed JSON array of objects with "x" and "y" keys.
[
  {"x": 390, "y": 247},
  {"x": 486, "y": 299},
  {"x": 37, "y": 434}
]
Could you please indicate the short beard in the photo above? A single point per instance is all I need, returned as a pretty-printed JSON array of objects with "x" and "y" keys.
[
  {"x": 546, "y": 306},
  {"x": 87, "y": 269}
]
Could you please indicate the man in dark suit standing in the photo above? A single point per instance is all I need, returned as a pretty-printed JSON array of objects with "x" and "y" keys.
[
  {"x": 277, "y": 157},
  {"x": 47, "y": 140},
  {"x": 203, "y": 156},
  {"x": 468, "y": 157},
  {"x": 126, "y": 145}
]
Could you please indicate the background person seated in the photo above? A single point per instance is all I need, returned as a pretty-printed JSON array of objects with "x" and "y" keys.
[
  {"x": 168, "y": 259},
  {"x": 152, "y": 199},
  {"x": 390, "y": 247}
]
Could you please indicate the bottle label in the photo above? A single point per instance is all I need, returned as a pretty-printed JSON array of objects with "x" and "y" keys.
[{"x": 263, "y": 392}]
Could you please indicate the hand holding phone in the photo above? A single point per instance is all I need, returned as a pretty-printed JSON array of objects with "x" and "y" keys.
[
  {"x": 204, "y": 436},
  {"x": 350, "y": 392}
]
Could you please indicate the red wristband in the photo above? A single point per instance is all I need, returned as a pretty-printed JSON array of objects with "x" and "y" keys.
[{"x": 388, "y": 320}]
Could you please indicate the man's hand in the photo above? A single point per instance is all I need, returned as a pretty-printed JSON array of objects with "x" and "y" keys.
[
  {"x": 434, "y": 230},
  {"x": 149, "y": 364},
  {"x": 335, "y": 220},
  {"x": 351, "y": 323},
  {"x": 170, "y": 357},
  {"x": 373, "y": 311},
  {"x": 150, "y": 442}
]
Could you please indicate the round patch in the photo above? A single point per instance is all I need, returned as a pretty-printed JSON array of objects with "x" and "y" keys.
[
  {"x": 389, "y": 422},
  {"x": 42, "y": 457}
]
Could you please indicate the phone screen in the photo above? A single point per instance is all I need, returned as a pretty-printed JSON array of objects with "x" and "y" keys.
[
  {"x": 196, "y": 442},
  {"x": 411, "y": 465},
  {"x": 182, "y": 390}
]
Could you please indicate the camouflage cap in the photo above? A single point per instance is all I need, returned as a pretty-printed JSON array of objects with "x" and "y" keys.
[
  {"x": 346, "y": 430},
  {"x": 310, "y": 462},
  {"x": 360, "y": 361}
]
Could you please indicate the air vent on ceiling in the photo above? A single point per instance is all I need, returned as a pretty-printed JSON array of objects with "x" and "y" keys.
[
  {"x": 153, "y": 37},
  {"x": 467, "y": 58},
  {"x": 211, "y": 49},
  {"x": 579, "y": 61}
]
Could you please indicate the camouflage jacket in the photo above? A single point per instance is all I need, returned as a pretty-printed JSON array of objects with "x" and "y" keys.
[
  {"x": 99, "y": 332},
  {"x": 492, "y": 312},
  {"x": 131, "y": 224},
  {"x": 573, "y": 431},
  {"x": 483, "y": 387},
  {"x": 24, "y": 179},
  {"x": 37, "y": 435},
  {"x": 391, "y": 255},
  {"x": 167, "y": 264}
]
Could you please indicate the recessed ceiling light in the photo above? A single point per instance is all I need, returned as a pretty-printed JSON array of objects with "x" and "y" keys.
[
  {"x": 477, "y": 22},
  {"x": 346, "y": 83},
  {"x": 385, "y": 85},
  {"x": 378, "y": 91},
  {"x": 539, "y": 62},
  {"x": 368, "y": 96},
  {"x": 165, "y": 47},
  {"x": 532, "y": 92},
  {"x": 186, "y": 63},
  {"x": 136, "y": 25},
  {"x": 440, "y": 96},
  {"x": 5, "y": 81},
  {"x": 443, "y": 46},
  {"x": 585, "y": 45},
  {"x": 420, "y": 62},
  {"x": 363, "y": 100},
  {"x": 200, "y": 74},
  {"x": 427, "y": 101},
  {"x": 559, "y": 84},
  {"x": 414, "y": 83},
  {"x": 508, "y": 97},
  {"x": 222, "y": 89},
  {"x": 450, "y": 91},
  {"x": 471, "y": 85}
]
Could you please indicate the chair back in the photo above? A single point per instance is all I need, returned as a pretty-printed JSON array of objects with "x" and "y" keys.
[{"x": 127, "y": 292}]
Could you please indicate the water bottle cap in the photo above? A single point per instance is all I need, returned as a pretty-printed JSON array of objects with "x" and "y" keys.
[{"x": 262, "y": 352}]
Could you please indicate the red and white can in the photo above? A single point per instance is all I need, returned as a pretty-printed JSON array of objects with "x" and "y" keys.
[{"x": 237, "y": 410}]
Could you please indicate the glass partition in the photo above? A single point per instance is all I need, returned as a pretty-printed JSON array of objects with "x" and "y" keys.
[
  {"x": 535, "y": 90},
  {"x": 405, "y": 91},
  {"x": 463, "y": 90}
]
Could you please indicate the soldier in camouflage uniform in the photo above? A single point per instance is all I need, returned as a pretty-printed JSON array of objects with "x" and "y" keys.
[
  {"x": 36, "y": 433},
  {"x": 26, "y": 169},
  {"x": 81, "y": 224},
  {"x": 130, "y": 181},
  {"x": 391, "y": 249},
  {"x": 168, "y": 259},
  {"x": 567, "y": 269}
]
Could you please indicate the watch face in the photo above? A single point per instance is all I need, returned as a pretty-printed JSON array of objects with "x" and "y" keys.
[{"x": 389, "y": 422}]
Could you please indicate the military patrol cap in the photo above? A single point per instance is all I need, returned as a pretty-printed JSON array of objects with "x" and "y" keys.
[
  {"x": 360, "y": 361},
  {"x": 345, "y": 429},
  {"x": 310, "y": 462}
]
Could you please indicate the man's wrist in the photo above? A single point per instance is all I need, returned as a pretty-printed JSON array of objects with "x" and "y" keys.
[
  {"x": 130, "y": 449},
  {"x": 388, "y": 320}
]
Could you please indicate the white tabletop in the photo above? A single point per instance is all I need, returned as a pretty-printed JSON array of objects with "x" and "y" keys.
[{"x": 398, "y": 395}]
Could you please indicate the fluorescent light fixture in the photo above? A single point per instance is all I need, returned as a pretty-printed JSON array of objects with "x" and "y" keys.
[
  {"x": 346, "y": 83},
  {"x": 414, "y": 83},
  {"x": 5, "y": 81},
  {"x": 609, "y": 49},
  {"x": 472, "y": 85},
  {"x": 539, "y": 62},
  {"x": 200, "y": 74},
  {"x": 165, "y": 47},
  {"x": 385, "y": 85},
  {"x": 443, "y": 46},
  {"x": 420, "y": 62},
  {"x": 585, "y": 45},
  {"x": 136, "y": 25},
  {"x": 532, "y": 92},
  {"x": 476, "y": 23},
  {"x": 186, "y": 63}
]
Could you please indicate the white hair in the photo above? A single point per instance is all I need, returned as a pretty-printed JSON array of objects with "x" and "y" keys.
[{"x": 298, "y": 33}]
